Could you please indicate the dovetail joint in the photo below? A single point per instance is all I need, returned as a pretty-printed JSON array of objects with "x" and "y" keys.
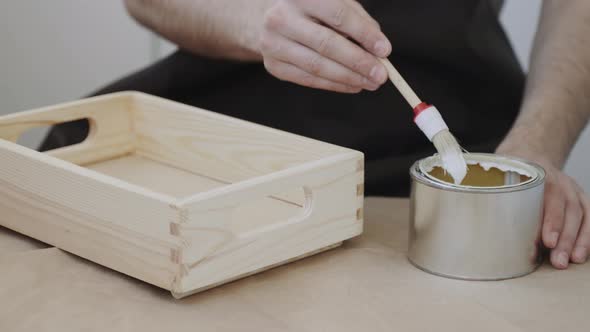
[
  {"x": 183, "y": 215},
  {"x": 174, "y": 229},
  {"x": 360, "y": 189},
  {"x": 184, "y": 270},
  {"x": 176, "y": 255},
  {"x": 359, "y": 214}
]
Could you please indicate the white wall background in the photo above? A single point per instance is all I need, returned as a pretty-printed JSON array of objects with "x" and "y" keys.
[{"x": 59, "y": 50}]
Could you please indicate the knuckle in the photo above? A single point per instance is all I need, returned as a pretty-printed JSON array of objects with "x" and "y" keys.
[
  {"x": 365, "y": 33},
  {"x": 276, "y": 69},
  {"x": 552, "y": 188},
  {"x": 566, "y": 241},
  {"x": 275, "y": 17},
  {"x": 554, "y": 221},
  {"x": 554, "y": 206},
  {"x": 351, "y": 79},
  {"x": 270, "y": 66},
  {"x": 265, "y": 42},
  {"x": 308, "y": 80},
  {"x": 363, "y": 64},
  {"x": 325, "y": 43},
  {"x": 338, "y": 15},
  {"x": 583, "y": 239},
  {"x": 577, "y": 212},
  {"x": 314, "y": 65},
  {"x": 268, "y": 44},
  {"x": 574, "y": 208}
]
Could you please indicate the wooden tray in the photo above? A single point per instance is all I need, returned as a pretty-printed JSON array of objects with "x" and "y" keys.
[{"x": 176, "y": 196}]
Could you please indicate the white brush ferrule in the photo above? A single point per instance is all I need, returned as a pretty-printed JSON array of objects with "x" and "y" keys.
[{"x": 430, "y": 122}]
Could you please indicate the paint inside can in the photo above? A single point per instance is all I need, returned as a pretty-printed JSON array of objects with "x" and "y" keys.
[
  {"x": 478, "y": 176},
  {"x": 482, "y": 172}
]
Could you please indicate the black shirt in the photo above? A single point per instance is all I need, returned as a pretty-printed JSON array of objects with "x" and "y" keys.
[{"x": 453, "y": 53}]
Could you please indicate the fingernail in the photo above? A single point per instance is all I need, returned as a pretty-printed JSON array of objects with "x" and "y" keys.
[
  {"x": 562, "y": 259},
  {"x": 580, "y": 254},
  {"x": 381, "y": 48},
  {"x": 552, "y": 240},
  {"x": 378, "y": 74}
]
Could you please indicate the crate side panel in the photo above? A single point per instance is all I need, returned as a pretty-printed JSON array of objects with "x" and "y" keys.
[
  {"x": 113, "y": 203},
  {"x": 210, "y": 144},
  {"x": 111, "y": 130},
  {"x": 84, "y": 236},
  {"x": 333, "y": 217},
  {"x": 312, "y": 174}
]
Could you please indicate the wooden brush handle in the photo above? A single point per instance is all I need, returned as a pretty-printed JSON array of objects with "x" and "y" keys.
[{"x": 401, "y": 84}]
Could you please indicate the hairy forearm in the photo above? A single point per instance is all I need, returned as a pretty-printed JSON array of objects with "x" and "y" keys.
[
  {"x": 221, "y": 28},
  {"x": 556, "y": 106}
]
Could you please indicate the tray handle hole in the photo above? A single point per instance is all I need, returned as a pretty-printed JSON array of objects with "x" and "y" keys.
[{"x": 55, "y": 136}]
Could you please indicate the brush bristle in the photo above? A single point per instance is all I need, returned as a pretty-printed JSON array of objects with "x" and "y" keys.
[{"x": 451, "y": 155}]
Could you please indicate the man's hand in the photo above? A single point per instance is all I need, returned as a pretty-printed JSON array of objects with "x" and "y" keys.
[
  {"x": 566, "y": 213},
  {"x": 316, "y": 44},
  {"x": 327, "y": 44},
  {"x": 555, "y": 110}
]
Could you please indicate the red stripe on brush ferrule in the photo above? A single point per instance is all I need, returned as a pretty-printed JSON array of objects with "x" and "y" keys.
[{"x": 419, "y": 108}]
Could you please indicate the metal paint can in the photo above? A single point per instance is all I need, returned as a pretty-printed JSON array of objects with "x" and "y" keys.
[{"x": 485, "y": 230}]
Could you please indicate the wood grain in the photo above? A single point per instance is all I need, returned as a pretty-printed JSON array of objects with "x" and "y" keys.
[
  {"x": 103, "y": 219},
  {"x": 330, "y": 214},
  {"x": 223, "y": 148},
  {"x": 110, "y": 135},
  {"x": 176, "y": 196}
]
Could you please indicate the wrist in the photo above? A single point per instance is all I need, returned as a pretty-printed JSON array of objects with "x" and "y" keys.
[
  {"x": 523, "y": 142},
  {"x": 545, "y": 128},
  {"x": 248, "y": 35}
]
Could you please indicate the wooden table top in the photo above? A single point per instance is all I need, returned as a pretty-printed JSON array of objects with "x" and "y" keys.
[{"x": 365, "y": 285}]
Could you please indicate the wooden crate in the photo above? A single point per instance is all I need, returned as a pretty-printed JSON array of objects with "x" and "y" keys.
[{"x": 176, "y": 196}]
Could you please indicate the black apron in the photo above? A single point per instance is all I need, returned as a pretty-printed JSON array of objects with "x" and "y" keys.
[{"x": 453, "y": 53}]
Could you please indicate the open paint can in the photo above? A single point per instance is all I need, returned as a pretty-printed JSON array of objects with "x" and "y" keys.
[{"x": 486, "y": 228}]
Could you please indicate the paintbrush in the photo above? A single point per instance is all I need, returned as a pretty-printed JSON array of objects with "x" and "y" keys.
[{"x": 430, "y": 121}]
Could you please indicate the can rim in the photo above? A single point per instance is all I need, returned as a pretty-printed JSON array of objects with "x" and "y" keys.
[{"x": 538, "y": 178}]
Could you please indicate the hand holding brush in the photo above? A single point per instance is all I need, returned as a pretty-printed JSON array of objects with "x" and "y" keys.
[{"x": 430, "y": 121}]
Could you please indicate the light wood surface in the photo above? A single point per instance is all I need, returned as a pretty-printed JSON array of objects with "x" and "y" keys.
[
  {"x": 177, "y": 196},
  {"x": 365, "y": 285},
  {"x": 110, "y": 134},
  {"x": 329, "y": 214},
  {"x": 223, "y": 148}
]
